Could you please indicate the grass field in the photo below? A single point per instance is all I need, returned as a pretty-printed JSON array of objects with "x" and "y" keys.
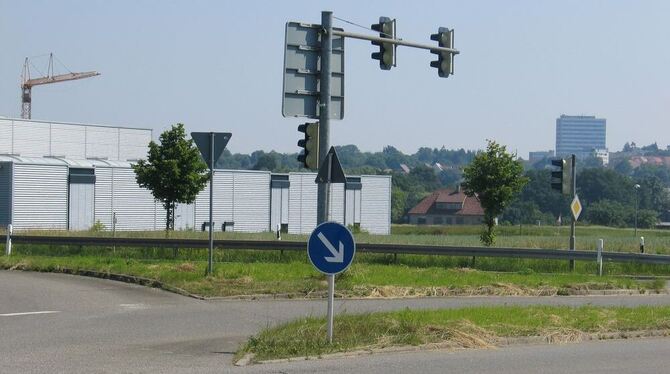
[
  {"x": 240, "y": 272},
  {"x": 248, "y": 273},
  {"x": 480, "y": 327}
]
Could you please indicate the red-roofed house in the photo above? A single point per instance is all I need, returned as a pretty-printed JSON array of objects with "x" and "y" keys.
[{"x": 447, "y": 207}]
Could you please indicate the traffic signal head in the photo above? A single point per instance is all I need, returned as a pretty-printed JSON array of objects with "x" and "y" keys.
[
  {"x": 445, "y": 60},
  {"x": 386, "y": 54},
  {"x": 561, "y": 178},
  {"x": 310, "y": 145}
]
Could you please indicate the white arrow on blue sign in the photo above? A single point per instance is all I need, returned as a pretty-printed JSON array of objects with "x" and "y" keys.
[{"x": 331, "y": 248}]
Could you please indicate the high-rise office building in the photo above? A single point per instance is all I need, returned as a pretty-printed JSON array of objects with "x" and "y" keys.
[{"x": 580, "y": 135}]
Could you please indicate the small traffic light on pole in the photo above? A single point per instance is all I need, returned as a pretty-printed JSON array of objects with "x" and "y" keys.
[
  {"x": 445, "y": 60},
  {"x": 561, "y": 178},
  {"x": 386, "y": 54},
  {"x": 310, "y": 145}
]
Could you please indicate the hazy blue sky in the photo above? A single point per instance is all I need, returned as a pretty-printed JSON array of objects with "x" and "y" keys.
[{"x": 217, "y": 65}]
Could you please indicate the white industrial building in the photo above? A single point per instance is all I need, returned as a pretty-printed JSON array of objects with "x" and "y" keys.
[{"x": 68, "y": 177}]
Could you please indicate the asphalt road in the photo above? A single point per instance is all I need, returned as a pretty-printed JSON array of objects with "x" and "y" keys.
[{"x": 60, "y": 323}]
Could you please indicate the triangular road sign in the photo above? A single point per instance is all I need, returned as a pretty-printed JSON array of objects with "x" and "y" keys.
[
  {"x": 331, "y": 170},
  {"x": 204, "y": 143}
]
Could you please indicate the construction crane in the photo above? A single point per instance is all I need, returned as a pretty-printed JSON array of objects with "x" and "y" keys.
[{"x": 27, "y": 83}]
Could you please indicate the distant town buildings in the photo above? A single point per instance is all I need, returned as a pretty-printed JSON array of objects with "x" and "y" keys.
[
  {"x": 580, "y": 135},
  {"x": 602, "y": 154},
  {"x": 536, "y": 156}
]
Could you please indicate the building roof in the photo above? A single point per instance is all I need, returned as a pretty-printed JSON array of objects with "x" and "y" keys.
[{"x": 471, "y": 205}]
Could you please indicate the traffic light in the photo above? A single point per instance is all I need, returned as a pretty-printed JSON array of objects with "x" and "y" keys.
[
  {"x": 386, "y": 54},
  {"x": 310, "y": 144},
  {"x": 445, "y": 60},
  {"x": 561, "y": 179}
]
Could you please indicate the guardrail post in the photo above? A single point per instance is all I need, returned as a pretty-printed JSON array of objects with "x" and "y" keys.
[
  {"x": 8, "y": 246},
  {"x": 641, "y": 244},
  {"x": 600, "y": 257}
]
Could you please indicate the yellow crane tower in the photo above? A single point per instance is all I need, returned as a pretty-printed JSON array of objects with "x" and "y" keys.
[{"x": 27, "y": 83}]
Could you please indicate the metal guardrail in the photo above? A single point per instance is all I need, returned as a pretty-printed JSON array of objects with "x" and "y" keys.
[{"x": 269, "y": 245}]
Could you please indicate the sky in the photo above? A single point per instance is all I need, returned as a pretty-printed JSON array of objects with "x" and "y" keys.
[{"x": 217, "y": 66}]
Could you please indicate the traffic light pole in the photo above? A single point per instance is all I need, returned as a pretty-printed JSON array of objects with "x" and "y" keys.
[
  {"x": 573, "y": 223},
  {"x": 324, "y": 143},
  {"x": 377, "y": 39},
  {"x": 323, "y": 191}
]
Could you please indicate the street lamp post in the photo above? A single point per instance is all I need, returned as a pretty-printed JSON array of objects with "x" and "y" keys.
[{"x": 637, "y": 188}]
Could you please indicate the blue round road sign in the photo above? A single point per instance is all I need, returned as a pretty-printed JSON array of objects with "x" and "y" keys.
[{"x": 331, "y": 248}]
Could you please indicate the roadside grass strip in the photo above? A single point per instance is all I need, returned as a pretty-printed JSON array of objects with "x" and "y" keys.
[
  {"x": 478, "y": 327},
  {"x": 297, "y": 278}
]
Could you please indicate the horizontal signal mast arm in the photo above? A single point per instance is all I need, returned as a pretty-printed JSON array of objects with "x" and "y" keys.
[
  {"x": 59, "y": 78},
  {"x": 394, "y": 41}
]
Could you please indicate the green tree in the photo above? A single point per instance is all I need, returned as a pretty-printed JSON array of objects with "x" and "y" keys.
[
  {"x": 538, "y": 191},
  {"x": 173, "y": 171},
  {"x": 608, "y": 213},
  {"x": 266, "y": 161},
  {"x": 604, "y": 184},
  {"x": 398, "y": 203},
  {"x": 495, "y": 177}
]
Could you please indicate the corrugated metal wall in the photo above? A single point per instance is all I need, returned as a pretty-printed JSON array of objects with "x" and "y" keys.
[
  {"x": 40, "y": 196},
  {"x": 67, "y": 141},
  {"x": 251, "y": 193},
  {"x": 102, "y": 142},
  {"x": 5, "y": 193},
  {"x": 103, "y": 196},
  {"x": 279, "y": 207},
  {"x": 336, "y": 207},
  {"x": 135, "y": 207},
  {"x": 31, "y": 140},
  {"x": 184, "y": 217},
  {"x": 376, "y": 204},
  {"x": 251, "y": 211},
  {"x": 302, "y": 203},
  {"x": 6, "y": 134},
  {"x": 223, "y": 201},
  {"x": 353, "y": 207},
  {"x": 81, "y": 212},
  {"x": 77, "y": 141},
  {"x": 242, "y": 197},
  {"x": 133, "y": 143}
]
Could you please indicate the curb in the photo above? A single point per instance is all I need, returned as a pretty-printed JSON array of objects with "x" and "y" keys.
[{"x": 499, "y": 343}]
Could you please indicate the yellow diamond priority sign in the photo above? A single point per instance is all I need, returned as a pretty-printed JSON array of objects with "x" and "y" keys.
[{"x": 576, "y": 207}]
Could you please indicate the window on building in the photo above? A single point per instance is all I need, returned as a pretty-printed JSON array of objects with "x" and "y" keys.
[
  {"x": 437, "y": 220},
  {"x": 421, "y": 220},
  {"x": 459, "y": 220}
]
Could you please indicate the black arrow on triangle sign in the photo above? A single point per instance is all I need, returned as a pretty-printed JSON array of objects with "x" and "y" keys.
[{"x": 331, "y": 170}]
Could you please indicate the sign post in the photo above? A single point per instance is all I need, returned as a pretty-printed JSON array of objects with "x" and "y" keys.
[
  {"x": 573, "y": 207},
  {"x": 211, "y": 146},
  {"x": 8, "y": 246},
  {"x": 331, "y": 249}
]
